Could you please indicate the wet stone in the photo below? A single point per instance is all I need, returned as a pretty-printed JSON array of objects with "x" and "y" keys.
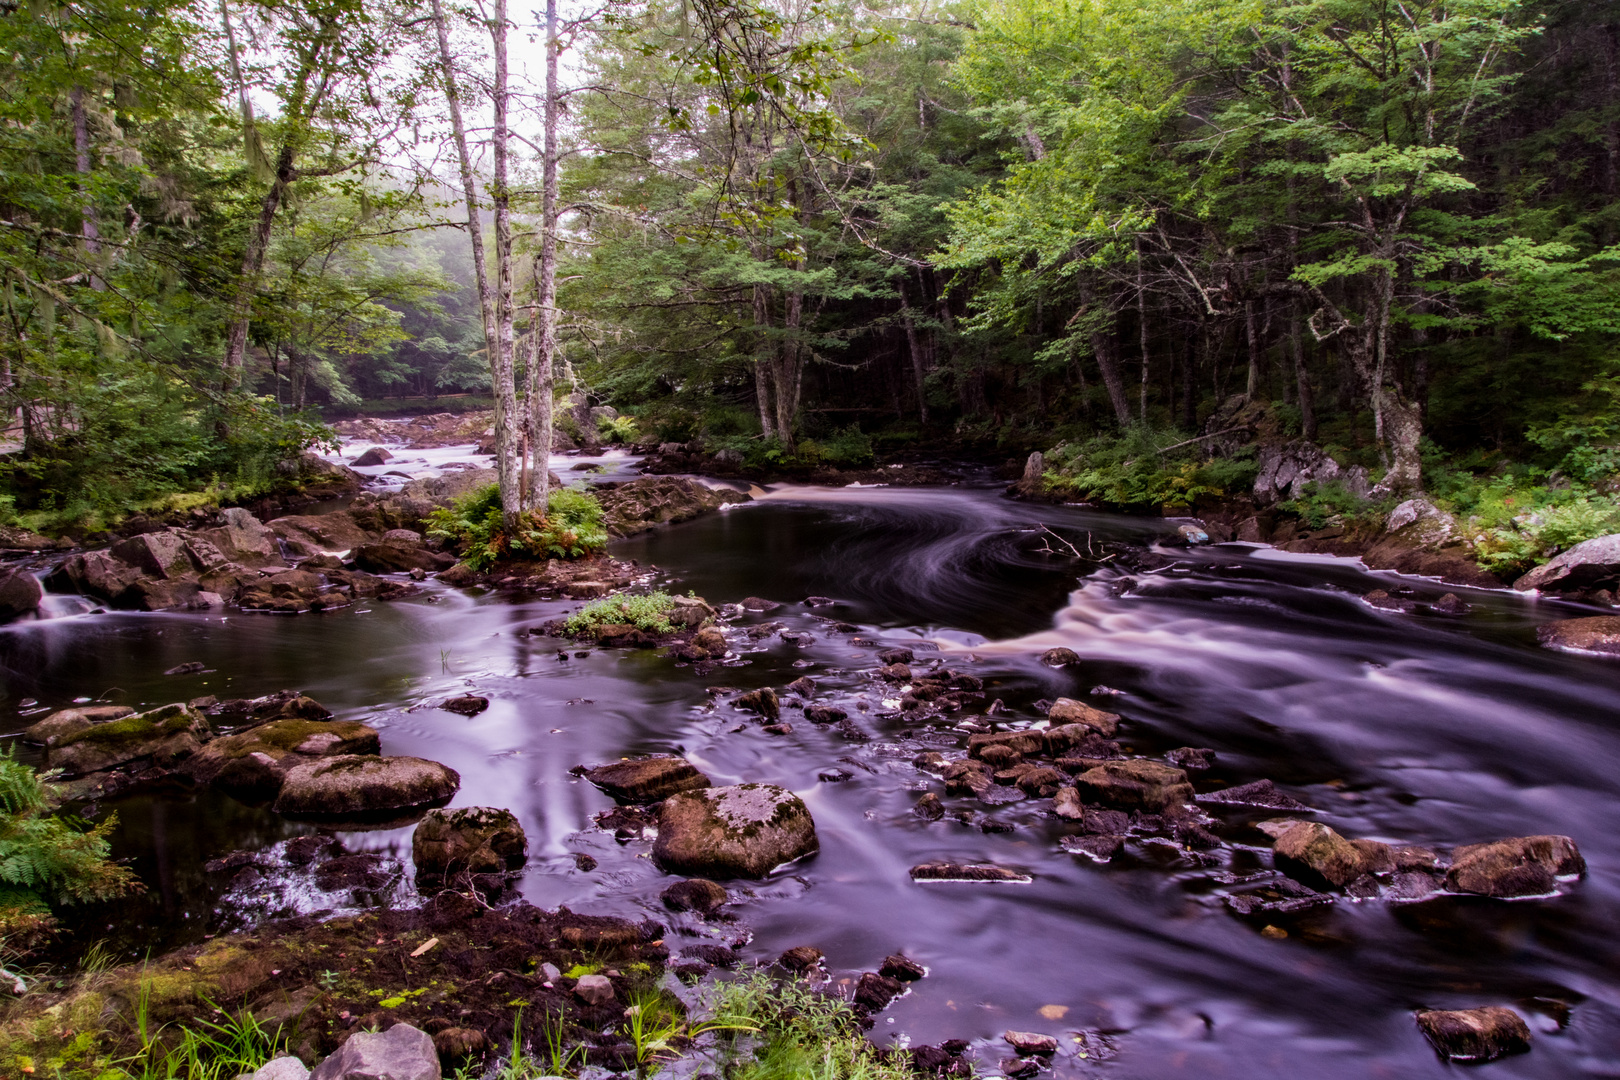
[
  {"x": 1517, "y": 866},
  {"x": 977, "y": 872},
  {"x": 824, "y": 714},
  {"x": 874, "y": 991},
  {"x": 803, "y": 686},
  {"x": 1097, "y": 848},
  {"x": 762, "y": 701},
  {"x": 1066, "y": 711},
  {"x": 695, "y": 894},
  {"x": 1030, "y": 1042},
  {"x": 647, "y": 780},
  {"x": 1278, "y": 896},
  {"x": 1482, "y": 1034},
  {"x": 1191, "y": 757},
  {"x": 1020, "y": 1068},
  {"x": 800, "y": 959},
  {"x": 466, "y": 705},
  {"x": 901, "y": 968},
  {"x": 1135, "y": 784},
  {"x": 1059, "y": 657},
  {"x": 896, "y": 656},
  {"x": 929, "y": 807},
  {"x": 1261, "y": 793}
]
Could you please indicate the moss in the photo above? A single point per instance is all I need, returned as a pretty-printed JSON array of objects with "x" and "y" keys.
[{"x": 142, "y": 727}]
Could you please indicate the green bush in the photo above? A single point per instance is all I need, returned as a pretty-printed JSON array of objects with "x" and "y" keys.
[
  {"x": 571, "y": 527},
  {"x": 648, "y": 611},
  {"x": 619, "y": 429},
  {"x": 798, "y": 1034},
  {"x": 1324, "y": 503},
  {"x": 1129, "y": 470}
]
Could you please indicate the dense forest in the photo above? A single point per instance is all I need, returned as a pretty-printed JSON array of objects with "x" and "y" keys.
[{"x": 804, "y": 231}]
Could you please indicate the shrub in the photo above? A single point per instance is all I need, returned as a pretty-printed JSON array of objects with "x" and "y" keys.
[
  {"x": 571, "y": 527},
  {"x": 649, "y": 612},
  {"x": 798, "y": 1034},
  {"x": 1129, "y": 470},
  {"x": 619, "y": 429}
]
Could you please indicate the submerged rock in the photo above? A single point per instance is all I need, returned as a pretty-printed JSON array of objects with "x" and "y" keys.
[
  {"x": 745, "y": 830},
  {"x": 468, "y": 840},
  {"x": 1518, "y": 866},
  {"x": 695, "y": 894},
  {"x": 1474, "y": 1034},
  {"x": 351, "y": 785},
  {"x": 1261, "y": 793},
  {"x": 647, "y": 780},
  {"x": 953, "y": 871}
]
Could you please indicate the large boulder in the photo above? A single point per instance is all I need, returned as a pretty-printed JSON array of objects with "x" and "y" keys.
[
  {"x": 643, "y": 504},
  {"x": 244, "y": 539},
  {"x": 1286, "y": 469},
  {"x": 1596, "y": 634},
  {"x": 159, "y": 554},
  {"x": 1136, "y": 784},
  {"x": 94, "y": 573},
  {"x": 397, "y": 558},
  {"x": 1474, "y": 1034},
  {"x": 741, "y": 831},
  {"x": 647, "y": 780},
  {"x": 64, "y": 722},
  {"x": 400, "y": 1053},
  {"x": 1517, "y": 866},
  {"x": 470, "y": 840},
  {"x": 166, "y": 736},
  {"x": 20, "y": 593},
  {"x": 377, "y": 455},
  {"x": 1587, "y": 564},
  {"x": 353, "y": 786},
  {"x": 323, "y": 532},
  {"x": 252, "y": 764}
]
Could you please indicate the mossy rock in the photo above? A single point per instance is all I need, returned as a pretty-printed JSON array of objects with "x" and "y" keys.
[
  {"x": 351, "y": 785},
  {"x": 252, "y": 764},
  {"x": 746, "y": 830},
  {"x": 167, "y": 735}
]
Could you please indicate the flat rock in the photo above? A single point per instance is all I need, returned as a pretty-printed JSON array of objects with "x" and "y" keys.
[
  {"x": 466, "y": 704},
  {"x": 1099, "y": 848},
  {"x": 1019, "y": 742},
  {"x": 65, "y": 722},
  {"x": 1597, "y": 634},
  {"x": 1136, "y": 784},
  {"x": 1261, "y": 793},
  {"x": 1069, "y": 711},
  {"x": 977, "y": 872},
  {"x": 400, "y": 1053},
  {"x": 745, "y": 830},
  {"x": 647, "y": 780},
  {"x": 166, "y": 735},
  {"x": 351, "y": 785},
  {"x": 1518, "y": 866},
  {"x": 1030, "y": 1042},
  {"x": 1482, "y": 1034}
]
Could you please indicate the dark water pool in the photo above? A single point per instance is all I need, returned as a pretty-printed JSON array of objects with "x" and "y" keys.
[{"x": 1413, "y": 729}]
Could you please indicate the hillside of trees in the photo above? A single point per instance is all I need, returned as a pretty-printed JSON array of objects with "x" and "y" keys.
[{"x": 804, "y": 230}]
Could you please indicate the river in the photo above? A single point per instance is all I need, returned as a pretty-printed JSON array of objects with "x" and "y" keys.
[{"x": 1408, "y": 728}]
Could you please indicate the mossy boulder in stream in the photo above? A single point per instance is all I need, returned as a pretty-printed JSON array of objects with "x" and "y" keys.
[
  {"x": 65, "y": 722},
  {"x": 167, "y": 736},
  {"x": 741, "y": 831},
  {"x": 470, "y": 840},
  {"x": 351, "y": 785},
  {"x": 252, "y": 764}
]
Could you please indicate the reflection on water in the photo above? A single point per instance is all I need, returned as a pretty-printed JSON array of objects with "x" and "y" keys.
[{"x": 1409, "y": 729}]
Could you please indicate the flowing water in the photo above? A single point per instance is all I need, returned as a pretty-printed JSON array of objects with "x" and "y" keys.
[{"x": 1409, "y": 728}]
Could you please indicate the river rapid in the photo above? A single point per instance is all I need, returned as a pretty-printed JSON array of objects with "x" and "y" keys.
[{"x": 1409, "y": 728}]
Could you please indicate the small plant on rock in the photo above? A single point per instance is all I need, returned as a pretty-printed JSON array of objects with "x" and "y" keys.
[
  {"x": 649, "y": 612},
  {"x": 571, "y": 527}
]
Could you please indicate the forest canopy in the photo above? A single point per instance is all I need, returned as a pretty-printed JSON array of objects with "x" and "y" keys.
[{"x": 802, "y": 230}]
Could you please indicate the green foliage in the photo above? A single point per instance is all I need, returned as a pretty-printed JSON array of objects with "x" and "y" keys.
[
  {"x": 647, "y": 611},
  {"x": 60, "y": 860},
  {"x": 1332, "y": 502},
  {"x": 220, "y": 1049},
  {"x": 618, "y": 429},
  {"x": 1130, "y": 471},
  {"x": 800, "y": 1034},
  {"x": 571, "y": 527}
]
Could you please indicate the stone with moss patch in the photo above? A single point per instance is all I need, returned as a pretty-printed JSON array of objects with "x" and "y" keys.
[
  {"x": 351, "y": 785},
  {"x": 252, "y": 764},
  {"x": 166, "y": 735},
  {"x": 741, "y": 831}
]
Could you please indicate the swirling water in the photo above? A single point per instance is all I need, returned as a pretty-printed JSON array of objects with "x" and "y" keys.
[{"x": 1409, "y": 728}]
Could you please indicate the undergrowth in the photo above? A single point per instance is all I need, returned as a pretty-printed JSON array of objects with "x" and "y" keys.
[
  {"x": 648, "y": 611},
  {"x": 1139, "y": 469},
  {"x": 571, "y": 527},
  {"x": 798, "y": 1034}
]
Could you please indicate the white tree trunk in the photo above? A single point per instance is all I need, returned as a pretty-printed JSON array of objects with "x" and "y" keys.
[
  {"x": 502, "y": 372},
  {"x": 542, "y": 357}
]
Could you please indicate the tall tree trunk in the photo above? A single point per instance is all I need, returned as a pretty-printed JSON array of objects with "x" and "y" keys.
[
  {"x": 918, "y": 368},
  {"x": 789, "y": 370},
  {"x": 1142, "y": 330},
  {"x": 89, "y": 223},
  {"x": 1105, "y": 346},
  {"x": 247, "y": 285},
  {"x": 763, "y": 395},
  {"x": 502, "y": 373},
  {"x": 1189, "y": 375},
  {"x": 1302, "y": 380},
  {"x": 1252, "y": 388},
  {"x": 542, "y": 355}
]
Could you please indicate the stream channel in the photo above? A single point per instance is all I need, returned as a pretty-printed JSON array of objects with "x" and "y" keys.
[{"x": 1408, "y": 728}]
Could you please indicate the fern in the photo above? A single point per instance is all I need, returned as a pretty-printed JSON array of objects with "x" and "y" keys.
[
  {"x": 571, "y": 527},
  {"x": 63, "y": 860}
]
